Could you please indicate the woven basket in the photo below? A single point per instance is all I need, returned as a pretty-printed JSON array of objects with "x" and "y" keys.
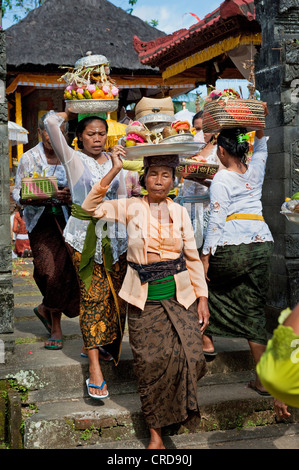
[
  {"x": 153, "y": 105},
  {"x": 230, "y": 113},
  {"x": 199, "y": 170},
  {"x": 39, "y": 188}
]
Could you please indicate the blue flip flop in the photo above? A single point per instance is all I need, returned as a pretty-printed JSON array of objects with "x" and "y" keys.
[{"x": 101, "y": 397}]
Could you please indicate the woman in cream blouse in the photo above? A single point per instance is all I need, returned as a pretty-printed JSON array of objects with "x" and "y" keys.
[{"x": 166, "y": 291}]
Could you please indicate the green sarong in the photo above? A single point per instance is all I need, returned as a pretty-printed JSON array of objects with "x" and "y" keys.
[
  {"x": 89, "y": 248},
  {"x": 239, "y": 280}
]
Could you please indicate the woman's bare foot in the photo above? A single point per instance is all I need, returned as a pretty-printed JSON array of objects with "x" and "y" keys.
[
  {"x": 95, "y": 373},
  {"x": 156, "y": 439},
  {"x": 207, "y": 344},
  {"x": 55, "y": 340},
  {"x": 257, "y": 387},
  {"x": 103, "y": 355}
]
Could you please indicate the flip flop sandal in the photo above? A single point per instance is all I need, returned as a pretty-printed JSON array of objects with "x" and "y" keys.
[
  {"x": 54, "y": 346},
  {"x": 260, "y": 392},
  {"x": 46, "y": 323},
  {"x": 210, "y": 353},
  {"x": 101, "y": 397}
]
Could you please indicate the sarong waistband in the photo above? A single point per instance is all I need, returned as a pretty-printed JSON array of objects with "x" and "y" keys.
[
  {"x": 245, "y": 217},
  {"x": 161, "y": 269},
  {"x": 89, "y": 248}
]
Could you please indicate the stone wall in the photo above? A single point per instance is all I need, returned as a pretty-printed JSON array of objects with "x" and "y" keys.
[
  {"x": 6, "y": 287},
  {"x": 277, "y": 79}
]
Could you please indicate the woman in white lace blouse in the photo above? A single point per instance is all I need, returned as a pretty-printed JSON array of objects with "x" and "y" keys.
[
  {"x": 99, "y": 252},
  {"x": 238, "y": 247}
]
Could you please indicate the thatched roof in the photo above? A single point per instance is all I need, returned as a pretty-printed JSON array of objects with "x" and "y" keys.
[{"x": 58, "y": 33}]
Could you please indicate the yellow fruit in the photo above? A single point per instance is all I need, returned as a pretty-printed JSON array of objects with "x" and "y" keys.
[
  {"x": 87, "y": 94},
  {"x": 80, "y": 96},
  {"x": 67, "y": 95},
  {"x": 130, "y": 143}
]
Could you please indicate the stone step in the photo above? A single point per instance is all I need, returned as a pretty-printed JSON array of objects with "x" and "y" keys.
[
  {"x": 85, "y": 421},
  {"x": 46, "y": 372},
  {"x": 277, "y": 436}
]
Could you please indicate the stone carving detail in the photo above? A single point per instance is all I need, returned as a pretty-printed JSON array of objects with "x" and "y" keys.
[
  {"x": 285, "y": 5},
  {"x": 2, "y": 91},
  {"x": 295, "y": 166}
]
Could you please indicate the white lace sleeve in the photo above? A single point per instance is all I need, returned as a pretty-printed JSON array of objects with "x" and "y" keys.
[
  {"x": 220, "y": 203},
  {"x": 68, "y": 157},
  {"x": 24, "y": 167}
]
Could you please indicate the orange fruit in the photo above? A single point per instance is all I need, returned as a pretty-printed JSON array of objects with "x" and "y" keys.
[
  {"x": 98, "y": 95},
  {"x": 109, "y": 96}
]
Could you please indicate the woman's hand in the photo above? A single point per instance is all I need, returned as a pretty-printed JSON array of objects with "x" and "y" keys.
[
  {"x": 205, "y": 259},
  {"x": 281, "y": 410},
  {"x": 117, "y": 152},
  {"x": 67, "y": 115},
  {"x": 64, "y": 195},
  {"x": 203, "y": 313},
  {"x": 260, "y": 133}
]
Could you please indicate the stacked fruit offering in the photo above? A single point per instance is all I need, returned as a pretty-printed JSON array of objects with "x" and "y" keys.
[{"x": 90, "y": 79}]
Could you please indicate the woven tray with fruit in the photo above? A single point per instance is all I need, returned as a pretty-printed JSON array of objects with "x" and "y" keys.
[{"x": 90, "y": 87}]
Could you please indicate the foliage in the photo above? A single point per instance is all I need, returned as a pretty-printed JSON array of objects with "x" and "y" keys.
[
  {"x": 22, "y": 6},
  {"x": 152, "y": 22}
]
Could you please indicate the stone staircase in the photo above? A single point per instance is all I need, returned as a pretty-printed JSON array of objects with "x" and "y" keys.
[{"x": 57, "y": 413}]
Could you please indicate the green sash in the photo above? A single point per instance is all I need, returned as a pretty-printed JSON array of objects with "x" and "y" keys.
[
  {"x": 163, "y": 289},
  {"x": 89, "y": 248}
]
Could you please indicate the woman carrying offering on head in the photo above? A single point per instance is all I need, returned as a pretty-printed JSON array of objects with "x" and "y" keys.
[
  {"x": 238, "y": 247},
  {"x": 166, "y": 292},
  {"x": 98, "y": 251}
]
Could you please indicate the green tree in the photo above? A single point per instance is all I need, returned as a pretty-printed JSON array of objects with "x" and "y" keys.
[
  {"x": 153, "y": 22},
  {"x": 22, "y": 6}
]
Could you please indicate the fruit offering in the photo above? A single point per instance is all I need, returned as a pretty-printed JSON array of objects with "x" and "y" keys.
[
  {"x": 90, "y": 79},
  {"x": 291, "y": 204},
  {"x": 138, "y": 134}
]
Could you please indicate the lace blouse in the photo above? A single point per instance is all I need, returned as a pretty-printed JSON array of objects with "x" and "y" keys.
[
  {"x": 35, "y": 160},
  {"x": 234, "y": 193},
  {"x": 82, "y": 173}
]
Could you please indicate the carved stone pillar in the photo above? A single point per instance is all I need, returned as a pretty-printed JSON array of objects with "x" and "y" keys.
[
  {"x": 277, "y": 79},
  {"x": 6, "y": 285}
]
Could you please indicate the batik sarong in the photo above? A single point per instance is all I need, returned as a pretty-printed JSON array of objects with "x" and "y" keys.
[
  {"x": 166, "y": 342},
  {"x": 102, "y": 311},
  {"x": 54, "y": 272}
]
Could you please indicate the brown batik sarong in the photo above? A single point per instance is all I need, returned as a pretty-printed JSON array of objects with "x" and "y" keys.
[
  {"x": 168, "y": 359},
  {"x": 54, "y": 272},
  {"x": 102, "y": 311}
]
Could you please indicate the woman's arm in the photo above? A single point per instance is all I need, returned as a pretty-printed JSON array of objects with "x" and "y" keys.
[
  {"x": 23, "y": 168},
  {"x": 111, "y": 210},
  {"x": 220, "y": 205},
  {"x": 67, "y": 156}
]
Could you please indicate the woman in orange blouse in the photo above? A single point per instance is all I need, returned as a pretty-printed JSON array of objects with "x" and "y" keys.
[{"x": 166, "y": 291}]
